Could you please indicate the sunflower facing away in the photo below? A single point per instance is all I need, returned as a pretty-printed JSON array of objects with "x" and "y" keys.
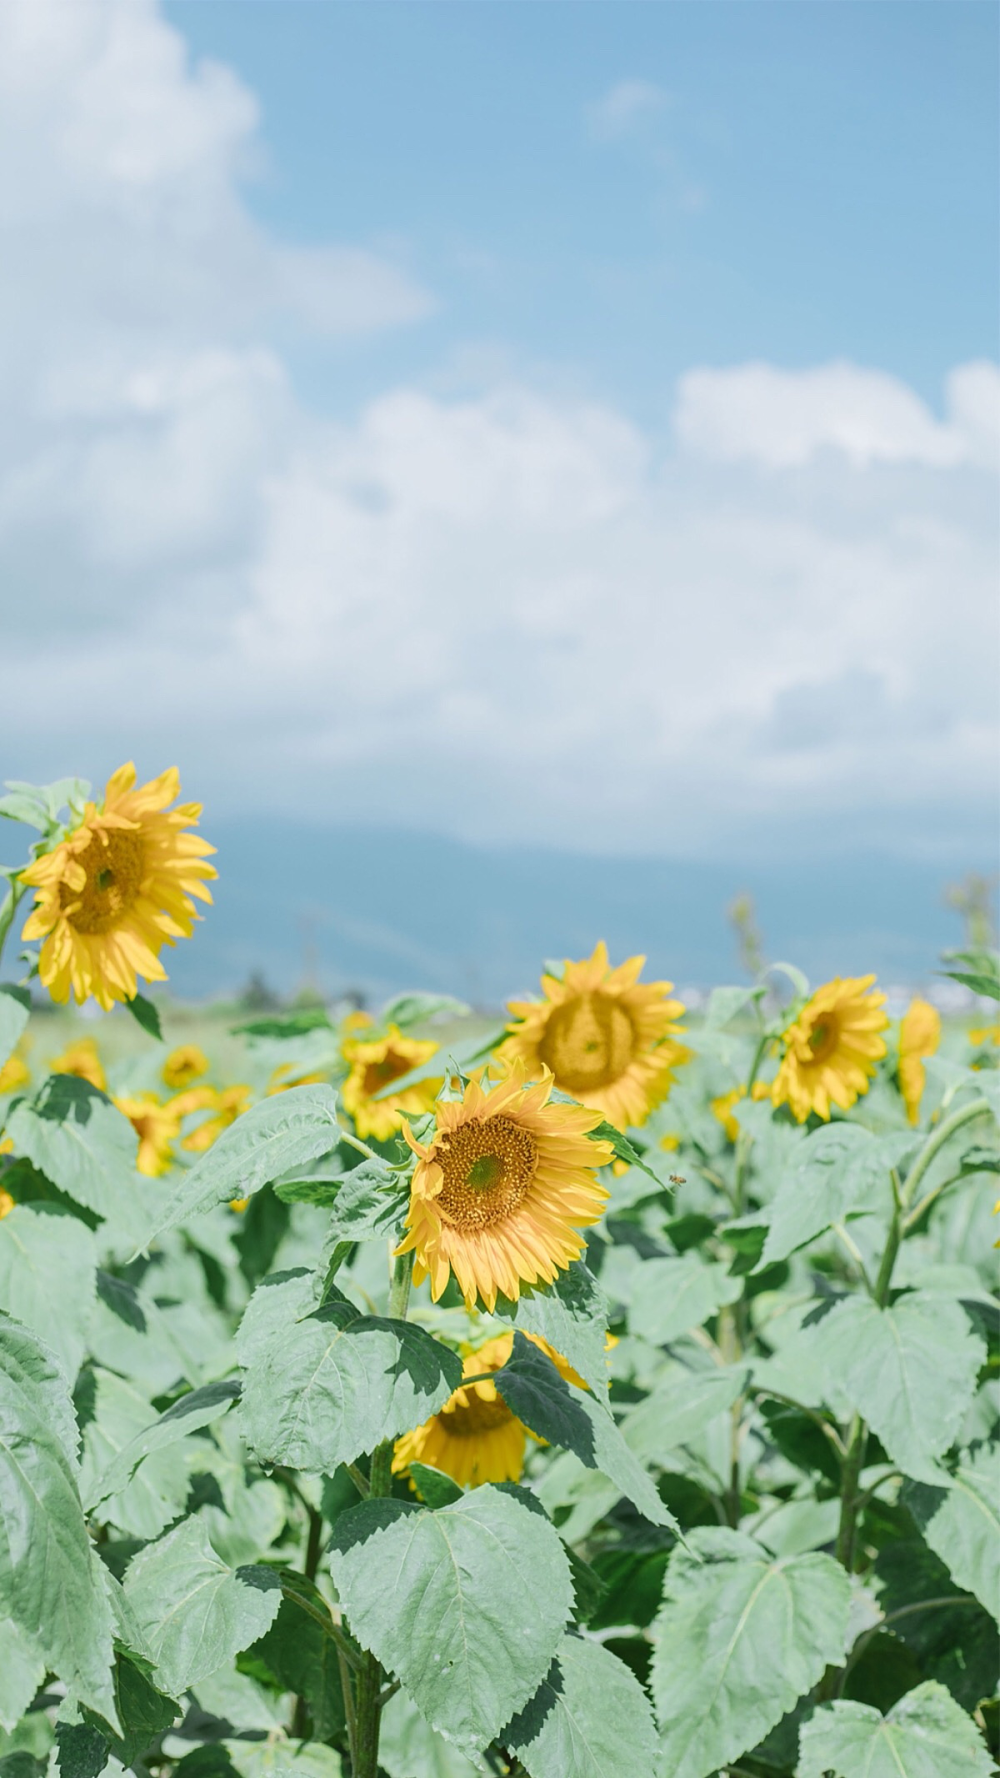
[
  {"x": 117, "y": 889},
  {"x": 919, "y": 1036},
  {"x": 476, "y": 1437},
  {"x": 607, "y": 1038},
  {"x": 831, "y": 1048},
  {"x": 157, "y": 1127},
  {"x": 225, "y": 1104},
  {"x": 83, "y": 1060},
  {"x": 500, "y": 1193},
  {"x": 375, "y": 1063}
]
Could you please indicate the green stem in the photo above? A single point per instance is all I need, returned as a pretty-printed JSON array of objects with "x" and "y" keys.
[
  {"x": 934, "y": 1144},
  {"x": 368, "y": 1699},
  {"x": 10, "y": 905}
]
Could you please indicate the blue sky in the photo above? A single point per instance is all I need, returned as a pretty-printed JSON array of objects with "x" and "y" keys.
[{"x": 567, "y": 426}]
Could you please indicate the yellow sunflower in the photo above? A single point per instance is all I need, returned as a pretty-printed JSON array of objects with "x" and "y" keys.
[
  {"x": 831, "y": 1048},
  {"x": 375, "y": 1063},
  {"x": 6, "y": 1203},
  {"x": 14, "y": 1073},
  {"x": 475, "y": 1437},
  {"x": 985, "y": 1034},
  {"x": 284, "y": 1078},
  {"x": 723, "y": 1110},
  {"x": 184, "y": 1065},
  {"x": 502, "y": 1189},
  {"x": 226, "y": 1104},
  {"x": 83, "y": 1060},
  {"x": 919, "y": 1036},
  {"x": 117, "y": 889},
  {"x": 607, "y": 1038},
  {"x": 156, "y": 1124}
]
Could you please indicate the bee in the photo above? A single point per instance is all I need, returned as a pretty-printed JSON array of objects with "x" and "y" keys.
[{"x": 677, "y": 1179}]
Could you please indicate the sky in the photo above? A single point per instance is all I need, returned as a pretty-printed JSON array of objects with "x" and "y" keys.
[{"x": 536, "y": 424}]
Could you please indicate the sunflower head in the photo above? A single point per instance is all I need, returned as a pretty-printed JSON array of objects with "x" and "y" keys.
[
  {"x": 225, "y": 1105},
  {"x": 374, "y": 1064},
  {"x": 608, "y": 1040},
  {"x": 919, "y": 1036},
  {"x": 184, "y": 1066},
  {"x": 6, "y": 1203},
  {"x": 82, "y": 1060},
  {"x": 157, "y": 1126},
  {"x": 116, "y": 889},
  {"x": 831, "y": 1048},
  {"x": 14, "y": 1073},
  {"x": 503, "y": 1188}
]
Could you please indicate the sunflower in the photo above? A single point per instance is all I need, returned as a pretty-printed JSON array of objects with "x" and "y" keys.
[
  {"x": 117, "y": 889},
  {"x": 831, "y": 1048},
  {"x": 919, "y": 1036},
  {"x": 184, "y": 1065},
  {"x": 503, "y": 1188},
  {"x": 985, "y": 1034},
  {"x": 13, "y": 1074},
  {"x": 6, "y": 1203},
  {"x": 375, "y": 1063},
  {"x": 226, "y": 1104},
  {"x": 476, "y": 1437},
  {"x": 156, "y": 1124},
  {"x": 607, "y": 1040},
  {"x": 284, "y": 1078},
  {"x": 82, "y": 1059},
  {"x": 723, "y": 1108}
]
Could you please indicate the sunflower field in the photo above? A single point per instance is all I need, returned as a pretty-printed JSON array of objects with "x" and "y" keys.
[{"x": 609, "y": 1393}]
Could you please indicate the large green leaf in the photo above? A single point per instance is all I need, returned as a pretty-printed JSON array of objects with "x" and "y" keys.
[
  {"x": 925, "y": 1735},
  {"x": 952, "y": 1637},
  {"x": 909, "y": 1370},
  {"x": 284, "y": 1131},
  {"x": 479, "y": 1594},
  {"x": 142, "y": 1504},
  {"x": 196, "y": 1409},
  {"x": 48, "y": 1269},
  {"x": 564, "y": 1415},
  {"x": 838, "y": 1170},
  {"x": 409, "y": 1748},
  {"x": 740, "y": 1637},
  {"x": 672, "y": 1295},
  {"x": 22, "y": 1669},
  {"x": 589, "y": 1718},
  {"x": 14, "y": 1010},
  {"x": 679, "y": 1407},
  {"x": 49, "y": 1574},
  {"x": 78, "y": 1139},
  {"x": 324, "y": 1384},
  {"x": 195, "y": 1612},
  {"x": 371, "y": 1204},
  {"x": 572, "y": 1314},
  {"x": 961, "y": 1522}
]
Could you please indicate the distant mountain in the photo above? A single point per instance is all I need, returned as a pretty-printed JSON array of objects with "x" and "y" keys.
[{"x": 355, "y": 907}]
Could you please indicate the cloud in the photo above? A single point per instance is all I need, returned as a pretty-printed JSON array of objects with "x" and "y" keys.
[{"x": 622, "y": 107}]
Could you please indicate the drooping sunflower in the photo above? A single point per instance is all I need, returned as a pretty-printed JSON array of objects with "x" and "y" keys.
[
  {"x": 831, "y": 1048},
  {"x": 117, "y": 889},
  {"x": 476, "y": 1437},
  {"x": 919, "y": 1036},
  {"x": 83, "y": 1060},
  {"x": 184, "y": 1066},
  {"x": 375, "y": 1062},
  {"x": 500, "y": 1193},
  {"x": 157, "y": 1126},
  {"x": 608, "y": 1039},
  {"x": 14, "y": 1073}
]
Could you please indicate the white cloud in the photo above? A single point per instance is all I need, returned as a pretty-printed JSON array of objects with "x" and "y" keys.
[
  {"x": 510, "y": 616},
  {"x": 622, "y": 106}
]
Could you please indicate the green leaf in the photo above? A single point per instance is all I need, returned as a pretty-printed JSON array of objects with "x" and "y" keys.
[
  {"x": 724, "y": 1004},
  {"x": 144, "y": 1713},
  {"x": 409, "y": 1748},
  {"x": 301, "y": 1656},
  {"x": 433, "y": 1486},
  {"x": 961, "y": 1522},
  {"x": 49, "y": 1575},
  {"x": 22, "y": 1669},
  {"x": 143, "y": 1506},
  {"x": 588, "y": 1719},
  {"x": 955, "y": 1642},
  {"x": 285, "y": 1131},
  {"x": 15, "y": 1005},
  {"x": 464, "y": 1056},
  {"x": 987, "y": 985},
  {"x": 417, "y": 1009},
  {"x": 83, "y": 1749},
  {"x": 564, "y": 1415},
  {"x": 276, "y": 1758},
  {"x": 48, "y": 1273},
  {"x": 196, "y": 1612},
  {"x": 480, "y": 1592},
  {"x": 909, "y": 1370},
  {"x": 839, "y": 1169},
  {"x": 196, "y": 1409},
  {"x": 78, "y": 1139},
  {"x": 671, "y": 1295},
  {"x": 371, "y": 1204},
  {"x": 925, "y": 1735},
  {"x": 325, "y": 1383},
  {"x": 680, "y": 1407},
  {"x": 572, "y": 1314},
  {"x": 739, "y": 1638},
  {"x": 625, "y": 1151},
  {"x": 287, "y": 1024},
  {"x": 146, "y": 1015}
]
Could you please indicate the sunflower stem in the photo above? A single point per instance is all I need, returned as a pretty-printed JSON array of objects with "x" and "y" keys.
[
  {"x": 10, "y": 905},
  {"x": 368, "y": 1694},
  {"x": 934, "y": 1144}
]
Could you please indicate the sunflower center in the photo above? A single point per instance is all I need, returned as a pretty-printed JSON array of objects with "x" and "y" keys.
[
  {"x": 474, "y": 1416},
  {"x": 823, "y": 1039},
  {"x": 588, "y": 1042},
  {"x": 488, "y": 1168},
  {"x": 380, "y": 1074},
  {"x": 113, "y": 862}
]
